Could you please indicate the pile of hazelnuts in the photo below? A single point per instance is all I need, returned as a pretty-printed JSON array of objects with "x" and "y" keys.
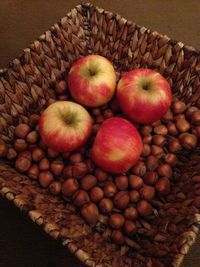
[{"x": 124, "y": 198}]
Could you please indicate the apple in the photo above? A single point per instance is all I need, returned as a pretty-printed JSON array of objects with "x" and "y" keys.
[
  {"x": 144, "y": 95},
  {"x": 117, "y": 146},
  {"x": 92, "y": 81},
  {"x": 65, "y": 126}
]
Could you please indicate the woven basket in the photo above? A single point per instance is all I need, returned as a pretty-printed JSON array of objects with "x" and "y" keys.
[{"x": 27, "y": 87}]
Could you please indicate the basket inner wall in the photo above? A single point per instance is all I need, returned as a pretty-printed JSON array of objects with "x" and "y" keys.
[{"x": 28, "y": 87}]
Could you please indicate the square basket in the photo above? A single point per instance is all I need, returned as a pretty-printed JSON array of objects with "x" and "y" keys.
[{"x": 27, "y": 87}]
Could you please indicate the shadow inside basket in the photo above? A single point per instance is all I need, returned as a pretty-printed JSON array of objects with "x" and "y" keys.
[{"x": 28, "y": 87}]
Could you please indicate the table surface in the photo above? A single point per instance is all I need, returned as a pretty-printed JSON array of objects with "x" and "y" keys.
[{"x": 22, "y": 243}]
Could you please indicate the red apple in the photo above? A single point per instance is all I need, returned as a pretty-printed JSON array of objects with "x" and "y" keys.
[
  {"x": 144, "y": 95},
  {"x": 92, "y": 81},
  {"x": 65, "y": 126},
  {"x": 117, "y": 146}
]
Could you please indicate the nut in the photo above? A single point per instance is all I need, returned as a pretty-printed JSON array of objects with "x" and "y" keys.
[
  {"x": 139, "y": 168},
  {"x": 116, "y": 221},
  {"x": 55, "y": 187},
  {"x": 189, "y": 141},
  {"x": 146, "y": 150},
  {"x": 161, "y": 130},
  {"x": 45, "y": 178},
  {"x": 33, "y": 172},
  {"x": 3, "y": 149},
  {"x": 152, "y": 163},
  {"x": 101, "y": 175},
  {"x": 61, "y": 87},
  {"x": 68, "y": 171},
  {"x": 22, "y": 130},
  {"x": 168, "y": 116},
  {"x": 195, "y": 117},
  {"x": 144, "y": 208},
  {"x": 11, "y": 152},
  {"x": 118, "y": 237},
  {"x": 157, "y": 151},
  {"x": 135, "y": 182},
  {"x": 106, "y": 205},
  {"x": 121, "y": 200},
  {"x": 174, "y": 145},
  {"x": 147, "y": 139},
  {"x": 109, "y": 189},
  {"x": 159, "y": 140},
  {"x": 80, "y": 198},
  {"x": 172, "y": 129},
  {"x": 178, "y": 107},
  {"x": 147, "y": 192},
  {"x": 162, "y": 186},
  {"x": 69, "y": 187},
  {"x": 171, "y": 159},
  {"x": 145, "y": 130},
  {"x": 20, "y": 145},
  {"x": 44, "y": 164},
  {"x": 108, "y": 113},
  {"x": 121, "y": 182},
  {"x": 130, "y": 227},
  {"x": 165, "y": 170},
  {"x": 37, "y": 154},
  {"x": 76, "y": 157},
  {"x": 131, "y": 213},
  {"x": 22, "y": 164},
  {"x": 79, "y": 169},
  {"x": 134, "y": 196},
  {"x": 25, "y": 154},
  {"x": 96, "y": 194},
  {"x": 182, "y": 125},
  {"x": 150, "y": 178},
  {"x": 57, "y": 167},
  {"x": 32, "y": 137},
  {"x": 88, "y": 182},
  {"x": 90, "y": 212}
]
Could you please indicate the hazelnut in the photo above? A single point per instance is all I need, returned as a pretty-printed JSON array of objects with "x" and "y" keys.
[
  {"x": 55, "y": 187},
  {"x": 106, "y": 205},
  {"x": 195, "y": 117},
  {"x": 157, "y": 151},
  {"x": 162, "y": 186},
  {"x": 146, "y": 150},
  {"x": 11, "y": 152},
  {"x": 165, "y": 170},
  {"x": 69, "y": 187},
  {"x": 116, "y": 221},
  {"x": 144, "y": 208},
  {"x": 178, "y": 107},
  {"x": 52, "y": 153},
  {"x": 182, "y": 125},
  {"x": 189, "y": 141},
  {"x": 44, "y": 164},
  {"x": 90, "y": 212},
  {"x": 22, "y": 164},
  {"x": 147, "y": 139},
  {"x": 45, "y": 178},
  {"x": 25, "y": 154},
  {"x": 68, "y": 171},
  {"x": 61, "y": 87},
  {"x": 145, "y": 130},
  {"x": 174, "y": 145},
  {"x": 80, "y": 198},
  {"x": 121, "y": 182},
  {"x": 134, "y": 196},
  {"x": 147, "y": 192},
  {"x": 150, "y": 178},
  {"x": 57, "y": 167},
  {"x": 3, "y": 149},
  {"x": 118, "y": 237},
  {"x": 171, "y": 159},
  {"x": 135, "y": 182},
  {"x": 109, "y": 189},
  {"x": 168, "y": 116},
  {"x": 96, "y": 194},
  {"x": 22, "y": 130},
  {"x": 33, "y": 172},
  {"x": 196, "y": 131},
  {"x": 139, "y": 168},
  {"x": 190, "y": 110},
  {"x": 121, "y": 200},
  {"x": 88, "y": 182},
  {"x": 101, "y": 175},
  {"x": 161, "y": 130},
  {"x": 159, "y": 140},
  {"x": 79, "y": 169},
  {"x": 152, "y": 163},
  {"x": 37, "y": 154},
  {"x": 130, "y": 227},
  {"x": 32, "y": 137},
  {"x": 20, "y": 145},
  {"x": 179, "y": 117},
  {"x": 131, "y": 213},
  {"x": 156, "y": 123},
  {"x": 76, "y": 157},
  {"x": 172, "y": 129}
]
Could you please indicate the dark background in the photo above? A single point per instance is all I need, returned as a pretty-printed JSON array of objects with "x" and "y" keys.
[{"x": 22, "y": 243}]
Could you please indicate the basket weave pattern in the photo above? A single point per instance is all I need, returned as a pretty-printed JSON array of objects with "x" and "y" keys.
[{"x": 27, "y": 87}]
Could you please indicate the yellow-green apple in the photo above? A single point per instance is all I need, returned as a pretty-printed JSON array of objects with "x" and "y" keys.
[
  {"x": 92, "y": 80},
  {"x": 144, "y": 95},
  {"x": 117, "y": 146},
  {"x": 65, "y": 126}
]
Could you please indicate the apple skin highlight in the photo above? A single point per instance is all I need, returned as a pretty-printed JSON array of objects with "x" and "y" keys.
[
  {"x": 92, "y": 81},
  {"x": 65, "y": 126},
  {"x": 117, "y": 146},
  {"x": 144, "y": 105}
]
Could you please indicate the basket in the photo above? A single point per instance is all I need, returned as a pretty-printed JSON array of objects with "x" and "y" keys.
[{"x": 27, "y": 87}]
